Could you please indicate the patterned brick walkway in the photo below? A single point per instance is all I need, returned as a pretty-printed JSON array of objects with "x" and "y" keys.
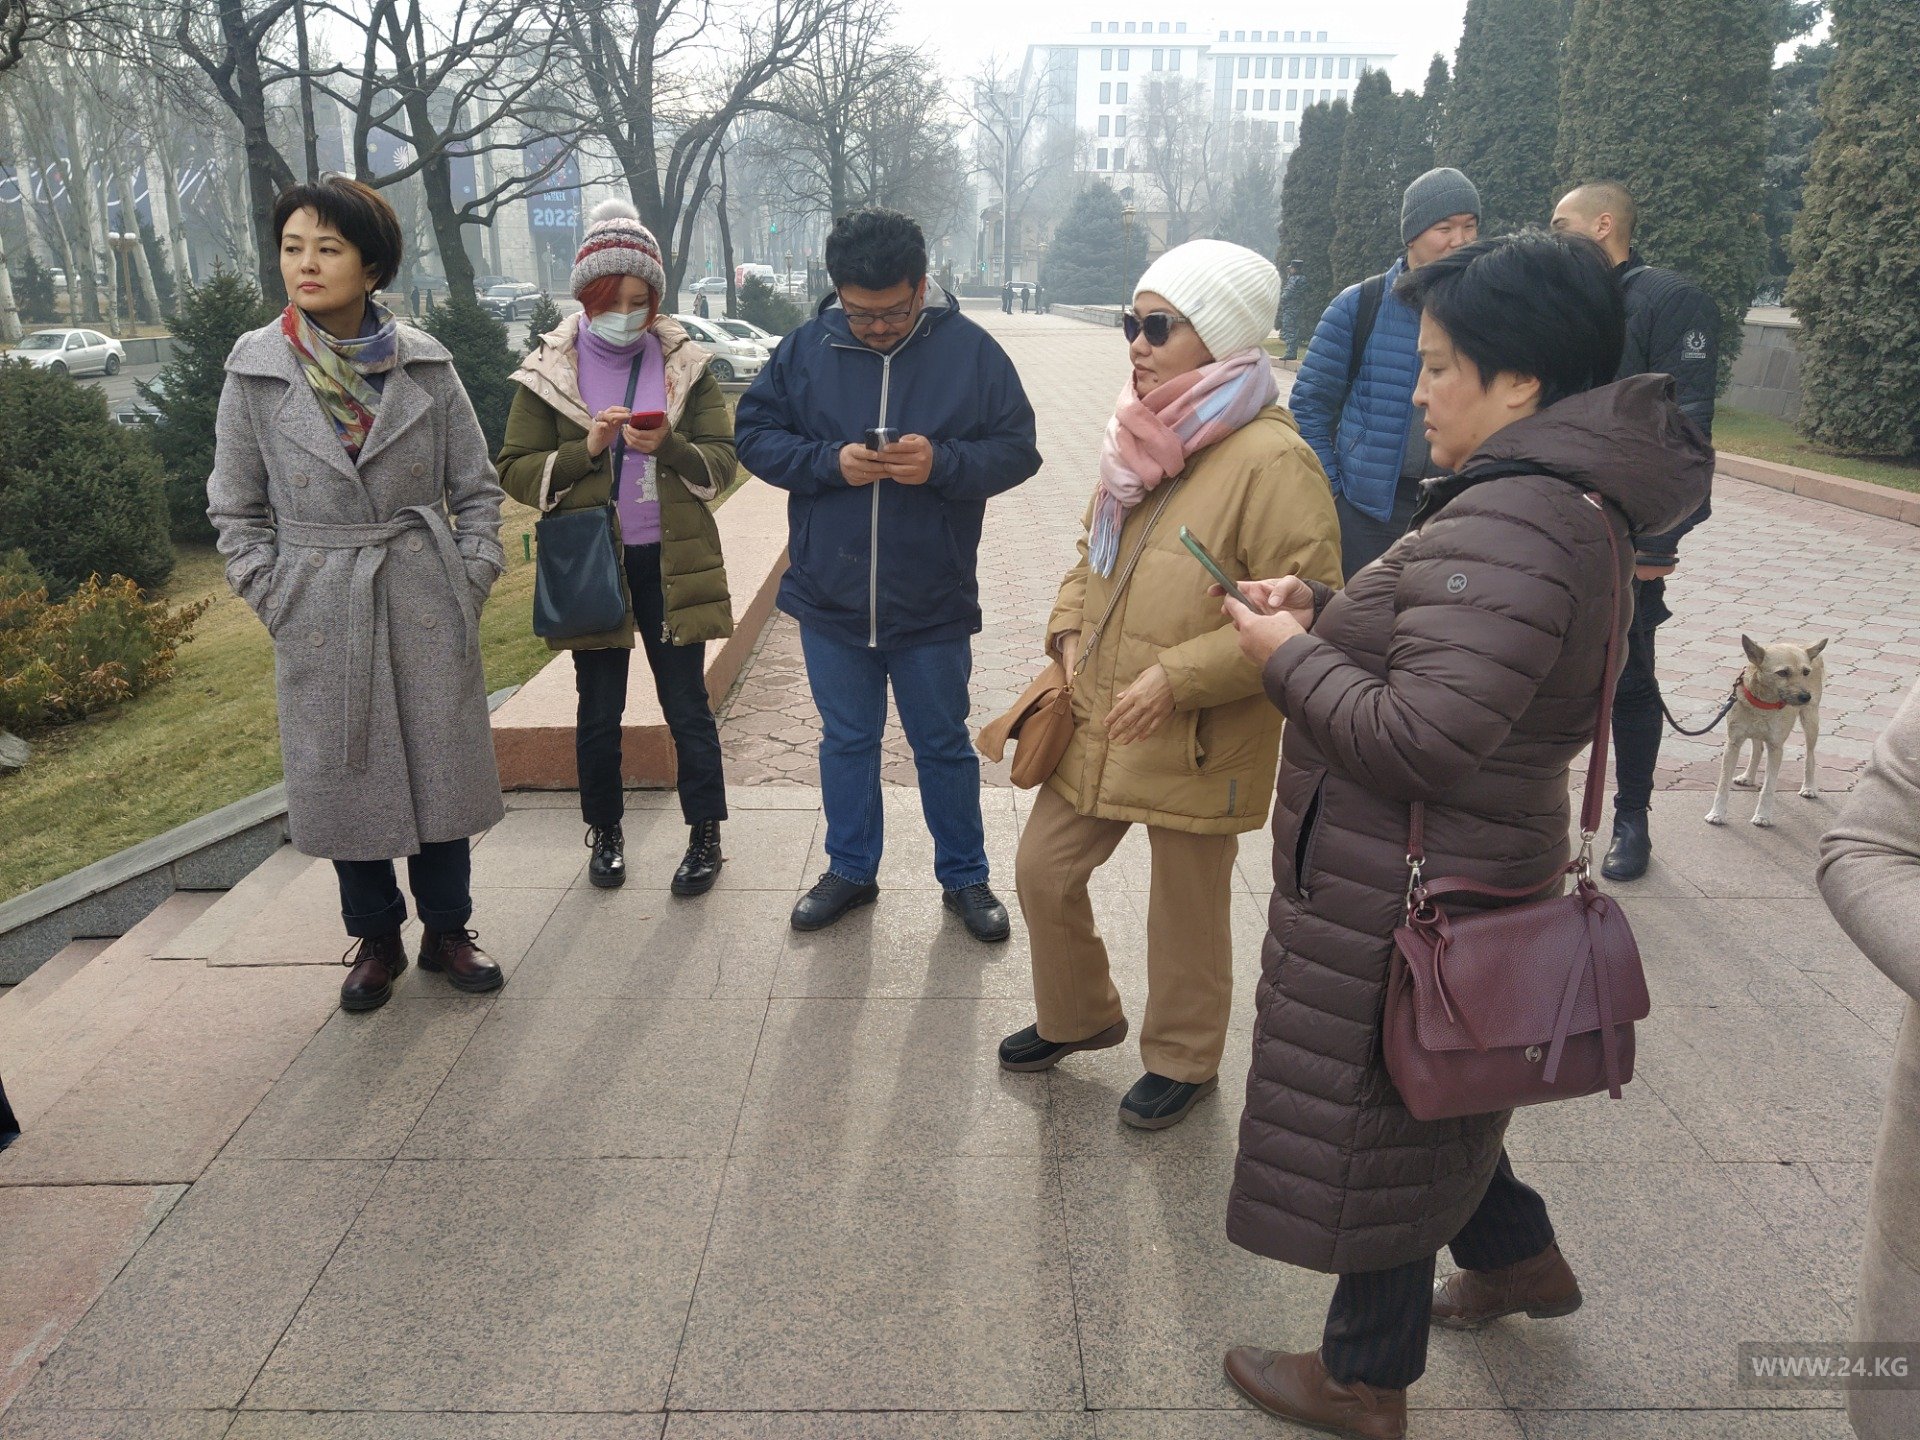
[{"x": 1773, "y": 565}]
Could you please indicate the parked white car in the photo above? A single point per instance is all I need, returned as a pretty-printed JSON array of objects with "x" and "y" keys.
[
  {"x": 745, "y": 330},
  {"x": 733, "y": 358},
  {"x": 72, "y": 352}
]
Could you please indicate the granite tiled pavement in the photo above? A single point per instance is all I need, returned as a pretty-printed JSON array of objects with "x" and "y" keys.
[{"x": 691, "y": 1175}]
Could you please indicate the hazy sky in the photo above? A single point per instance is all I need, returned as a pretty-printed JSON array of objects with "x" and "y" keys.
[{"x": 961, "y": 33}]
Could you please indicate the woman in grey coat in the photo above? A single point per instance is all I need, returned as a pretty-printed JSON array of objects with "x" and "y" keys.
[
  {"x": 359, "y": 516},
  {"x": 1870, "y": 876}
]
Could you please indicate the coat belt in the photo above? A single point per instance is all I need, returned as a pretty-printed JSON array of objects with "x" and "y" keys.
[{"x": 370, "y": 543}]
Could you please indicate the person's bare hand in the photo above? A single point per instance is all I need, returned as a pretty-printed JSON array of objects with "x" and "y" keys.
[
  {"x": 1261, "y": 635},
  {"x": 1289, "y": 593},
  {"x": 1069, "y": 645},
  {"x": 646, "y": 442},
  {"x": 909, "y": 460},
  {"x": 1142, "y": 708},
  {"x": 605, "y": 425},
  {"x": 861, "y": 466},
  {"x": 1652, "y": 572}
]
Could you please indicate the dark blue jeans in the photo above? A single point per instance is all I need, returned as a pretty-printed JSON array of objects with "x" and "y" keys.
[
  {"x": 440, "y": 876},
  {"x": 930, "y": 691}
]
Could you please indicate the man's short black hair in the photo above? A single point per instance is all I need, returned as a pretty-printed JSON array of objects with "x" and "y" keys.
[
  {"x": 1528, "y": 304},
  {"x": 359, "y": 212},
  {"x": 876, "y": 250}
]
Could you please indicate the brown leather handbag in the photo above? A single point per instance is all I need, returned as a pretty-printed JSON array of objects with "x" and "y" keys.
[
  {"x": 1041, "y": 721},
  {"x": 1492, "y": 1009}
]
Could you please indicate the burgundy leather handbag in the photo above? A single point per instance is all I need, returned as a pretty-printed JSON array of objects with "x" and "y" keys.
[{"x": 1492, "y": 1009}]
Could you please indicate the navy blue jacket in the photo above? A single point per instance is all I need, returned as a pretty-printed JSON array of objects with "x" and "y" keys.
[
  {"x": 1361, "y": 437},
  {"x": 887, "y": 565}
]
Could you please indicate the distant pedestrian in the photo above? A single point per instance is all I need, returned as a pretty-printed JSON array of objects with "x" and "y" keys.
[
  {"x": 1293, "y": 303},
  {"x": 1870, "y": 876},
  {"x": 1039, "y": 299},
  {"x": 1173, "y": 731},
  {"x": 700, "y": 305},
  {"x": 1006, "y": 298},
  {"x": 1353, "y": 396},
  {"x": 573, "y": 444},
  {"x": 1673, "y": 328},
  {"x": 359, "y": 516},
  {"x": 890, "y": 418},
  {"x": 1026, "y": 299}
]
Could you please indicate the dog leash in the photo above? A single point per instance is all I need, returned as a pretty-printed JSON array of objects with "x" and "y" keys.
[{"x": 1733, "y": 696}]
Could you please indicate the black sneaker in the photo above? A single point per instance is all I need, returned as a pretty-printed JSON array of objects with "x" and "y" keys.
[
  {"x": 701, "y": 865},
  {"x": 1631, "y": 849},
  {"x": 1025, "y": 1050},
  {"x": 1156, "y": 1102},
  {"x": 831, "y": 897},
  {"x": 608, "y": 867},
  {"x": 976, "y": 905}
]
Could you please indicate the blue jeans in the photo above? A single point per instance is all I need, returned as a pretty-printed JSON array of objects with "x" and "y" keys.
[{"x": 930, "y": 690}]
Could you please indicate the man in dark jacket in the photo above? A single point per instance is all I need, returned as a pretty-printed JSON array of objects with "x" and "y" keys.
[
  {"x": 1673, "y": 328},
  {"x": 890, "y": 418},
  {"x": 1293, "y": 299}
]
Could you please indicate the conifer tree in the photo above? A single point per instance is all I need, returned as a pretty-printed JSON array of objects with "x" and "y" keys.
[
  {"x": 1253, "y": 206},
  {"x": 478, "y": 344},
  {"x": 1671, "y": 100},
  {"x": 1306, "y": 203},
  {"x": 1503, "y": 110},
  {"x": 1093, "y": 259},
  {"x": 1366, "y": 201},
  {"x": 1856, "y": 278}
]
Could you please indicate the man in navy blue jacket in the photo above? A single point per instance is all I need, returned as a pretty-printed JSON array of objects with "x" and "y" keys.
[{"x": 890, "y": 419}]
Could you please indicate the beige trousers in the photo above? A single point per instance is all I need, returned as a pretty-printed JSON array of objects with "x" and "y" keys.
[{"x": 1189, "y": 936}]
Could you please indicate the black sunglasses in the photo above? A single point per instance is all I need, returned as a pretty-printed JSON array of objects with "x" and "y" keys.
[{"x": 1157, "y": 326}]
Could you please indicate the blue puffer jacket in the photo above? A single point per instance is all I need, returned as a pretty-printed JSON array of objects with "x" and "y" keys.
[
  {"x": 1361, "y": 437},
  {"x": 887, "y": 565}
]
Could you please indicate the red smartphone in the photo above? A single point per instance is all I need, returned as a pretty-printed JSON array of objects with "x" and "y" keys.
[{"x": 647, "y": 419}]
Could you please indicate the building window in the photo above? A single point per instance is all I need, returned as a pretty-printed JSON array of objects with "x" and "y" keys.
[
  {"x": 1125, "y": 57},
  {"x": 1239, "y": 35},
  {"x": 1246, "y": 67},
  {"x": 1346, "y": 66},
  {"x": 1260, "y": 67},
  {"x": 1164, "y": 27},
  {"x": 1105, "y": 123},
  {"x": 1106, "y": 92},
  {"x": 1119, "y": 159},
  {"x": 1159, "y": 59},
  {"x": 1129, "y": 27},
  {"x": 1179, "y": 27},
  {"x": 1259, "y": 99},
  {"x": 1293, "y": 99},
  {"x": 1174, "y": 55},
  {"x": 1289, "y": 35},
  {"x": 1343, "y": 92},
  {"x": 1239, "y": 99},
  {"x": 1326, "y": 95},
  {"x": 1322, "y": 37},
  {"x": 1120, "y": 126},
  {"x": 1293, "y": 67},
  {"x": 1273, "y": 101},
  {"x": 1100, "y": 159},
  {"x": 1096, "y": 27},
  {"x": 1106, "y": 59},
  {"x": 1120, "y": 93},
  {"x": 1310, "y": 65},
  {"x": 1290, "y": 130}
]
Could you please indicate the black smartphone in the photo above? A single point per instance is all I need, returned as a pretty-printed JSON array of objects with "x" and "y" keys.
[
  {"x": 1220, "y": 577},
  {"x": 881, "y": 436}
]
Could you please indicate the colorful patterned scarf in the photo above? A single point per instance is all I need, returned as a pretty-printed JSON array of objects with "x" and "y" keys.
[
  {"x": 338, "y": 369},
  {"x": 1149, "y": 439}
]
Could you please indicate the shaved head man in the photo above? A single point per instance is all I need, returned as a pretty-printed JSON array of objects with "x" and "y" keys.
[{"x": 1602, "y": 211}]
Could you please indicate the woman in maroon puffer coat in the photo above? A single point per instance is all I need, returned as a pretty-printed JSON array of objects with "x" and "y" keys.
[{"x": 1463, "y": 669}]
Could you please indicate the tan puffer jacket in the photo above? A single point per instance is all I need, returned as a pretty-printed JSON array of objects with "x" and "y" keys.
[
  {"x": 1260, "y": 503},
  {"x": 1463, "y": 669}
]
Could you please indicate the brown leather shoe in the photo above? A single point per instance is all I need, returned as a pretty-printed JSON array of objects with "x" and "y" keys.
[
  {"x": 1543, "y": 1287},
  {"x": 1298, "y": 1388},
  {"x": 373, "y": 965},
  {"x": 457, "y": 955}
]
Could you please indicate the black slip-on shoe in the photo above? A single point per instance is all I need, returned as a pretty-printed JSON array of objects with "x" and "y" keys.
[
  {"x": 980, "y": 910},
  {"x": 1025, "y": 1050},
  {"x": 831, "y": 897},
  {"x": 1155, "y": 1102}
]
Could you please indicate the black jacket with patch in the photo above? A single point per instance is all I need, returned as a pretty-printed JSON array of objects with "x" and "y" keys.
[{"x": 1673, "y": 328}]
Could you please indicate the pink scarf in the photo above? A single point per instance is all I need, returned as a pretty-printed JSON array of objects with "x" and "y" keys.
[{"x": 1149, "y": 440}]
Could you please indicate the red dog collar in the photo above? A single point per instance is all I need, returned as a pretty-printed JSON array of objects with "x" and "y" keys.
[{"x": 1758, "y": 703}]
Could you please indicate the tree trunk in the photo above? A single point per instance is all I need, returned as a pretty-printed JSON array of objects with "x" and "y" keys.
[
  {"x": 143, "y": 271},
  {"x": 9, "y": 311},
  {"x": 726, "y": 235},
  {"x": 161, "y": 164},
  {"x": 267, "y": 172},
  {"x": 80, "y": 197}
]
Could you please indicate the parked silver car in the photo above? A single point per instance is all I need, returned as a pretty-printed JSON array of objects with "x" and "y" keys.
[
  {"x": 512, "y": 301},
  {"x": 71, "y": 352},
  {"x": 733, "y": 359}
]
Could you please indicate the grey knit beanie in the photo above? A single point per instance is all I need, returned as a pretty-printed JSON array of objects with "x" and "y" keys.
[
  {"x": 618, "y": 244},
  {"x": 1433, "y": 197}
]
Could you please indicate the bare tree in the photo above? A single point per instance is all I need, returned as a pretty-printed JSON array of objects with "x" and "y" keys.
[
  {"x": 28, "y": 24},
  {"x": 1011, "y": 111},
  {"x": 1174, "y": 140},
  {"x": 667, "y": 79}
]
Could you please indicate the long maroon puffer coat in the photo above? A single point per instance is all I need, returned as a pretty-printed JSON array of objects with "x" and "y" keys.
[{"x": 1462, "y": 669}]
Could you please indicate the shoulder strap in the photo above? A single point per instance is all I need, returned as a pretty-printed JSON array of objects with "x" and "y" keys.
[
  {"x": 1113, "y": 600},
  {"x": 1591, "y": 801},
  {"x": 619, "y": 442},
  {"x": 1373, "y": 289}
]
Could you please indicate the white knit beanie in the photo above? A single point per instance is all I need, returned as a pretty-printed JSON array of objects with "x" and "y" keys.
[
  {"x": 618, "y": 244},
  {"x": 1229, "y": 292}
]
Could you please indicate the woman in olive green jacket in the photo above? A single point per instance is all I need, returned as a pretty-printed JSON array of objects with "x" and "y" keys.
[{"x": 582, "y": 417}]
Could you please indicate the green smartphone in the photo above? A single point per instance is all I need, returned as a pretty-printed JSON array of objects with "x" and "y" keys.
[{"x": 1220, "y": 577}]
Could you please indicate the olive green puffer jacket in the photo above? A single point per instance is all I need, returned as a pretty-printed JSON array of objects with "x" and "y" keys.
[{"x": 544, "y": 463}]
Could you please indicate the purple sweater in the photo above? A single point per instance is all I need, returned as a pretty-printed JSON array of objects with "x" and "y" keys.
[{"x": 604, "y": 370}]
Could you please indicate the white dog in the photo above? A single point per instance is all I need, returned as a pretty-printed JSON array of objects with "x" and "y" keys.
[{"x": 1779, "y": 688}]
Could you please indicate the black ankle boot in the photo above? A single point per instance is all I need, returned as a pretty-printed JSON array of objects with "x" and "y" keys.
[
  {"x": 608, "y": 867},
  {"x": 1632, "y": 847},
  {"x": 701, "y": 865}
]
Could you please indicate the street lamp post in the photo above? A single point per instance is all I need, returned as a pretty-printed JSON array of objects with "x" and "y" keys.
[{"x": 1126, "y": 239}]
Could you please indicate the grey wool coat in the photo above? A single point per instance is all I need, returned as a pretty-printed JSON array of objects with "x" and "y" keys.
[
  {"x": 370, "y": 579},
  {"x": 1870, "y": 876}
]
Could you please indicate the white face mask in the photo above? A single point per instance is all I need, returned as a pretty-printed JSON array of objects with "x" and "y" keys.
[{"x": 618, "y": 329}]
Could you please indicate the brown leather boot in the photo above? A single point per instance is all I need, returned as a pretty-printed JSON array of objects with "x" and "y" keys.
[
  {"x": 374, "y": 963},
  {"x": 1298, "y": 1388},
  {"x": 1543, "y": 1287},
  {"x": 457, "y": 955}
]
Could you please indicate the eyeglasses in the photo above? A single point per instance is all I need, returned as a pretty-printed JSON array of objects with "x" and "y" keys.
[
  {"x": 1157, "y": 327},
  {"x": 866, "y": 319}
]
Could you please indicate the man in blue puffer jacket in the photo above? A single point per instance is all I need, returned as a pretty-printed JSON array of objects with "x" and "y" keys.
[
  {"x": 1360, "y": 418},
  {"x": 883, "y": 532}
]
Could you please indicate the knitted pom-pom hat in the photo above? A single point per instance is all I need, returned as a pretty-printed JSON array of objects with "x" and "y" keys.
[{"x": 618, "y": 244}]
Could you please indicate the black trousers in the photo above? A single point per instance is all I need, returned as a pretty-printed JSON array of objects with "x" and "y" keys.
[
  {"x": 680, "y": 682},
  {"x": 1364, "y": 539},
  {"x": 440, "y": 876},
  {"x": 1636, "y": 702},
  {"x": 1378, "y": 1323},
  {"x": 9, "y": 1127}
]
